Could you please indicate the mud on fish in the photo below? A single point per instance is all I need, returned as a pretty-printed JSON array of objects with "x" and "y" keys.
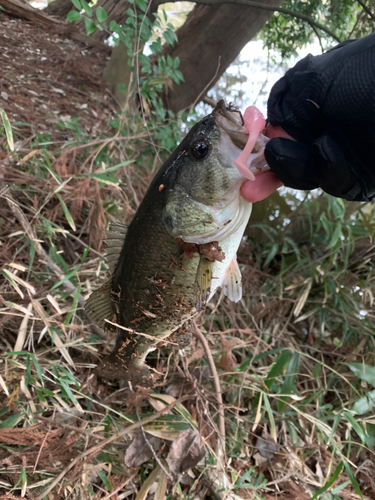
[{"x": 180, "y": 247}]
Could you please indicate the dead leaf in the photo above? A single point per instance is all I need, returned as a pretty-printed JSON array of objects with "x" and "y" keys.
[
  {"x": 139, "y": 450},
  {"x": 186, "y": 451},
  {"x": 266, "y": 446},
  {"x": 228, "y": 361}
]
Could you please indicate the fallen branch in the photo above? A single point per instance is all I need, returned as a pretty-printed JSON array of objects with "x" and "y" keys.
[
  {"x": 219, "y": 398},
  {"x": 67, "y": 285},
  {"x": 25, "y": 11}
]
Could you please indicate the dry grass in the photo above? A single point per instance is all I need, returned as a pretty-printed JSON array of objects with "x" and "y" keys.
[{"x": 276, "y": 373}]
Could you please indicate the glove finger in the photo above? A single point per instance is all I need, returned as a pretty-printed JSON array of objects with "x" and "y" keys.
[
  {"x": 292, "y": 162},
  {"x": 338, "y": 169}
]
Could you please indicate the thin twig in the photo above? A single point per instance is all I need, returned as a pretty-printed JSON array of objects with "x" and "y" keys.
[
  {"x": 67, "y": 285},
  {"x": 116, "y": 490},
  {"x": 151, "y": 448},
  {"x": 219, "y": 398},
  {"x": 210, "y": 101},
  {"x": 117, "y": 435},
  {"x": 40, "y": 450},
  {"x": 208, "y": 84},
  {"x": 366, "y": 9}
]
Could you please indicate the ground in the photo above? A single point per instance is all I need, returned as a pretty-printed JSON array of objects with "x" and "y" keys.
[
  {"x": 47, "y": 79},
  {"x": 290, "y": 394}
]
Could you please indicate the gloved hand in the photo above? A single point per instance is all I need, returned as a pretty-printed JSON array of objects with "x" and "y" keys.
[{"x": 327, "y": 103}]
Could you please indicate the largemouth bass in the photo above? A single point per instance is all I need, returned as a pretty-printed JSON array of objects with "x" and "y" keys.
[{"x": 180, "y": 247}]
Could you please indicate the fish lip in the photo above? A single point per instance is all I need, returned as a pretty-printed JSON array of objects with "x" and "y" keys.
[{"x": 225, "y": 119}]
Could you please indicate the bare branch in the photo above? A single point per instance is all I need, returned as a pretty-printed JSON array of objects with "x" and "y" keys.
[
  {"x": 258, "y": 5},
  {"x": 366, "y": 9},
  {"x": 219, "y": 398}
]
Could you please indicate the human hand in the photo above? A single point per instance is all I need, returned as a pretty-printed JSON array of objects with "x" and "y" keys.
[
  {"x": 326, "y": 103},
  {"x": 264, "y": 185}
]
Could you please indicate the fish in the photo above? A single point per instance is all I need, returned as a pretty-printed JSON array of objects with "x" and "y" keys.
[{"x": 180, "y": 246}]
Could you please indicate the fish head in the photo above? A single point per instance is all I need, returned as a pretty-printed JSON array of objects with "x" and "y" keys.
[{"x": 203, "y": 202}]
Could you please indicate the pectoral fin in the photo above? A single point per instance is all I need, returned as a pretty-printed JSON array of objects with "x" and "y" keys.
[
  {"x": 232, "y": 283},
  {"x": 203, "y": 282}
]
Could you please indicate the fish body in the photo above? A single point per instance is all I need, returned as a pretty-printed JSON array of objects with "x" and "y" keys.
[{"x": 179, "y": 248}]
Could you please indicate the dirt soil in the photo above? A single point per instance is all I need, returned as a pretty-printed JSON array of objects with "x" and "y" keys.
[{"x": 47, "y": 78}]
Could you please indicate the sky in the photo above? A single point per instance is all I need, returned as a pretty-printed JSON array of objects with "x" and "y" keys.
[{"x": 261, "y": 75}]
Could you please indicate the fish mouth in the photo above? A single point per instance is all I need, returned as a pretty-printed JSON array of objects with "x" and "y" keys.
[
  {"x": 251, "y": 141},
  {"x": 230, "y": 119}
]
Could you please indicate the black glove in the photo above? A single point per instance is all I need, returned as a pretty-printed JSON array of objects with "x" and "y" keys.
[{"x": 327, "y": 103}]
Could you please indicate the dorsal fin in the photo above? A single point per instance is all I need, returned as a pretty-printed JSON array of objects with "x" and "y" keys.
[
  {"x": 114, "y": 242},
  {"x": 100, "y": 306}
]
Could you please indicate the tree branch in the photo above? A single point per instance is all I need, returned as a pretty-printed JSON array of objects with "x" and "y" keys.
[
  {"x": 261, "y": 6},
  {"x": 366, "y": 9}
]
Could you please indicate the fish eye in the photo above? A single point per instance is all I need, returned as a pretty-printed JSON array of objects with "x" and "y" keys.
[{"x": 200, "y": 149}]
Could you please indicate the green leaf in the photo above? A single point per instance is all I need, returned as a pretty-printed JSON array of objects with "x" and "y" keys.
[
  {"x": 68, "y": 217},
  {"x": 363, "y": 372},
  {"x": 365, "y": 404},
  {"x": 8, "y": 129},
  {"x": 278, "y": 367},
  {"x": 66, "y": 278},
  {"x": 356, "y": 426},
  {"x": 101, "y": 14},
  {"x": 336, "y": 235},
  {"x": 68, "y": 392},
  {"x": 270, "y": 415},
  {"x": 271, "y": 254},
  {"x": 73, "y": 15},
  {"x": 90, "y": 26},
  {"x": 113, "y": 26},
  {"x": 37, "y": 368},
  {"x": 166, "y": 427},
  {"x": 353, "y": 479},
  {"x": 123, "y": 87},
  {"x": 12, "y": 421},
  {"x": 330, "y": 482},
  {"x": 288, "y": 386},
  {"x": 73, "y": 306},
  {"x": 141, "y": 4},
  {"x": 77, "y": 4},
  {"x": 104, "y": 479},
  {"x": 87, "y": 8}
]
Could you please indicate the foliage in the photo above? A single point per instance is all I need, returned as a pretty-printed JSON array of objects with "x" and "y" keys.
[
  {"x": 294, "y": 357},
  {"x": 287, "y": 34},
  {"x": 150, "y": 72}
]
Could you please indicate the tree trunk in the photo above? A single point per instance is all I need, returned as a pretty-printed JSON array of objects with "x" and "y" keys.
[
  {"x": 210, "y": 39},
  {"x": 59, "y": 8},
  {"x": 118, "y": 70}
]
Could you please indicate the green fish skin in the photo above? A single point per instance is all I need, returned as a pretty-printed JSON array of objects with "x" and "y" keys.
[{"x": 179, "y": 248}]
